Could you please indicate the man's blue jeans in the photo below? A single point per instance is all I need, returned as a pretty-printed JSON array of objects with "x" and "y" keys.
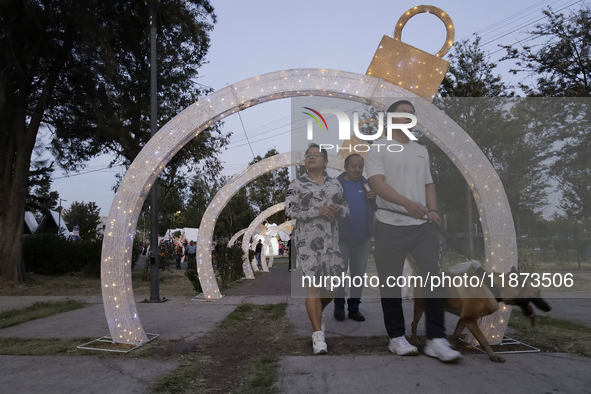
[
  {"x": 258, "y": 257},
  {"x": 355, "y": 255}
]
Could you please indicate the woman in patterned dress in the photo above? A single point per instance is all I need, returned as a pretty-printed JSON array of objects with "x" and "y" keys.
[{"x": 317, "y": 201}]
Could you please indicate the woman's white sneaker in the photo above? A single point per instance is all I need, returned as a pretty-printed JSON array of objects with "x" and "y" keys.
[
  {"x": 318, "y": 343},
  {"x": 441, "y": 349},
  {"x": 401, "y": 347}
]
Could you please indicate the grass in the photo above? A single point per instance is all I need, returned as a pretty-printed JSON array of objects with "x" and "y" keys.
[
  {"x": 273, "y": 312},
  {"x": 237, "y": 316},
  {"x": 218, "y": 366},
  {"x": 37, "y": 310},
  {"x": 41, "y": 347},
  {"x": 187, "y": 377},
  {"x": 552, "y": 335},
  {"x": 262, "y": 377}
]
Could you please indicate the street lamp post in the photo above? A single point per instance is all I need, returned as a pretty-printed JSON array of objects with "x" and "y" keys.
[{"x": 154, "y": 267}]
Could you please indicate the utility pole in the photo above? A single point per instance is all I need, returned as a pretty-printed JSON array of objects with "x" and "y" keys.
[{"x": 154, "y": 266}]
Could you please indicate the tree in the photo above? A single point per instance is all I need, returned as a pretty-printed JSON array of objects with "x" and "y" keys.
[
  {"x": 84, "y": 215},
  {"x": 235, "y": 216},
  {"x": 575, "y": 185},
  {"x": 201, "y": 192},
  {"x": 268, "y": 189},
  {"x": 81, "y": 69},
  {"x": 480, "y": 102},
  {"x": 561, "y": 64},
  {"x": 41, "y": 199}
]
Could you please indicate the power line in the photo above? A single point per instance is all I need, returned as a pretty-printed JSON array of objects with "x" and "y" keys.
[
  {"x": 507, "y": 21},
  {"x": 87, "y": 172},
  {"x": 524, "y": 25},
  {"x": 246, "y": 135}
]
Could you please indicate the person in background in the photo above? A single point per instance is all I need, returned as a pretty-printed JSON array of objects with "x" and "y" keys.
[
  {"x": 191, "y": 250},
  {"x": 178, "y": 255},
  {"x": 355, "y": 232},
  {"x": 258, "y": 250}
]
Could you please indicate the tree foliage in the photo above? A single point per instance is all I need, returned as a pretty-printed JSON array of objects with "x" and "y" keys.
[
  {"x": 269, "y": 189},
  {"x": 560, "y": 63},
  {"x": 85, "y": 215},
  {"x": 81, "y": 68},
  {"x": 482, "y": 104}
]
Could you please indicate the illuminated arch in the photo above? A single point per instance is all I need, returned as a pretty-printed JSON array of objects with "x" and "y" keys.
[
  {"x": 235, "y": 237},
  {"x": 282, "y": 227},
  {"x": 118, "y": 299},
  {"x": 223, "y": 196},
  {"x": 250, "y": 232}
]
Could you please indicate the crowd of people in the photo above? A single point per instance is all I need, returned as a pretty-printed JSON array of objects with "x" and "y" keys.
[{"x": 335, "y": 222}]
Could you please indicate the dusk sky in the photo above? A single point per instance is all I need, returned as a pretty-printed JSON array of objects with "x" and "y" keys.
[{"x": 257, "y": 36}]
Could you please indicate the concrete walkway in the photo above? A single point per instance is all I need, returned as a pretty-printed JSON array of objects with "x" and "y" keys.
[
  {"x": 521, "y": 373},
  {"x": 186, "y": 320},
  {"x": 82, "y": 374}
]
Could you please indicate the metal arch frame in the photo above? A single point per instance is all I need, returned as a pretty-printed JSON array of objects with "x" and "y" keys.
[
  {"x": 274, "y": 231},
  {"x": 118, "y": 298},
  {"x": 235, "y": 237},
  {"x": 222, "y": 198},
  {"x": 246, "y": 266}
]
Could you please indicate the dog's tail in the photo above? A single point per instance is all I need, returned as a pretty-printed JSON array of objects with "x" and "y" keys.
[{"x": 462, "y": 268}]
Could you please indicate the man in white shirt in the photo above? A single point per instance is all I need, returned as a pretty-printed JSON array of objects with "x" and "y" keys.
[{"x": 402, "y": 180}]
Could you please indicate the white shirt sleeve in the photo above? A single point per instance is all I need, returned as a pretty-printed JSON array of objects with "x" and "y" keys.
[
  {"x": 374, "y": 163},
  {"x": 428, "y": 177}
]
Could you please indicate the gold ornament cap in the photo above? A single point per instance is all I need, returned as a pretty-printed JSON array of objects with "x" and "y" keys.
[{"x": 408, "y": 67}]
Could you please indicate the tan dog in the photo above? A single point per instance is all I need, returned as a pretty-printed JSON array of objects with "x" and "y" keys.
[{"x": 472, "y": 303}]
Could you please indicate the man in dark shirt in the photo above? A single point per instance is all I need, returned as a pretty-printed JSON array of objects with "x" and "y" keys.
[
  {"x": 355, "y": 232},
  {"x": 258, "y": 249}
]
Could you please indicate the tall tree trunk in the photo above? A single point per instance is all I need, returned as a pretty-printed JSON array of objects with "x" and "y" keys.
[
  {"x": 17, "y": 146},
  {"x": 469, "y": 222}
]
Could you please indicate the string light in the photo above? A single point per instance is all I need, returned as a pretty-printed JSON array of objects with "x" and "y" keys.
[
  {"x": 135, "y": 186},
  {"x": 287, "y": 226}
]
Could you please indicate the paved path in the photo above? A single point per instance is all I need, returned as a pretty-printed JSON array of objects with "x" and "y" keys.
[
  {"x": 521, "y": 373},
  {"x": 79, "y": 374},
  {"x": 186, "y": 321}
]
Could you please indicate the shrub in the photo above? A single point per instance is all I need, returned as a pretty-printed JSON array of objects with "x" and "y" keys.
[
  {"x": 527, "y": 260},
  {"x": 193, "y": 276},
  {"x": 229, "y": 263},
  {"x": 49, "y": 254}
]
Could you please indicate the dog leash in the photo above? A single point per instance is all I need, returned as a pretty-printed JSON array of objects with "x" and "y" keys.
[
  {"x": 442, "y": 231},
  {"x": 479, "y": 271}
]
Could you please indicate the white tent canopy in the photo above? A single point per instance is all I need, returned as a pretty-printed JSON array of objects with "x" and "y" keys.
[
  {"x": 31, "y": 222},
  {"x": 61, "y": 223},
  {"x": 188, "y": 234},
  {"x": 273, "y": 247}
]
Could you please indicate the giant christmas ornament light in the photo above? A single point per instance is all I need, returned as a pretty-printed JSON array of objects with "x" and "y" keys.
[
  {"x": 235, "y": 237},
  {"x": 251, "y": 231},
  {"x": 237, "y": 182},
  {"x": 287, "y": 226},
  {"x": 118, "y": 298}
]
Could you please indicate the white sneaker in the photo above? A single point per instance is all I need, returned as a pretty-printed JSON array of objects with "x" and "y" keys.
[
  {"x": 401, "y": 347},
  {"x": 441, "y": 349},
  {"x": 318, "y": 343},
  {"x": 322, "y": 326}
]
